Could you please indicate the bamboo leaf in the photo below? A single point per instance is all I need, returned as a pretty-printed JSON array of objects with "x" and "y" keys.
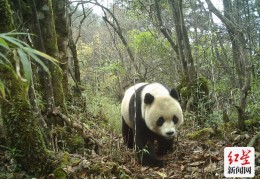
[
  {"x": 6, "y": 59},
  {"x": 26, "y": 64},
  {"x": 24, "y": 52},
  {"x": 12, "y": 41},
  {"x": 13, "y": 33},
  {"x": 39, "y": 61},
  {"x": 41, "y": 54},
  {"x": 9, "y": 38},
  {"x": 8, "y": 66},
  {"x": 3, "y": 43},
  {"x": 2, "y": 89},
  {"x": 21, "y": 42},
  {"x": 10, "y": 33},
  {"x": 17, "y": 65}
]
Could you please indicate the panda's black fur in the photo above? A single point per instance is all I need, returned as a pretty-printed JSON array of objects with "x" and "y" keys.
[{"x": 143, "y": 136}]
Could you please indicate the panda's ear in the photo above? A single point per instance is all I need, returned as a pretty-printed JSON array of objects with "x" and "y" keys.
[
  {"x": 148, "y": 98},
  {"x": 174, "y": 93}
]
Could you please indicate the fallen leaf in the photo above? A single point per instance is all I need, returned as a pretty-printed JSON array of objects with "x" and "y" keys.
[
  {"x": 194, "y": 164},
  {"x": 211, "y": 168},
  {"x": 161, "y": 174}
]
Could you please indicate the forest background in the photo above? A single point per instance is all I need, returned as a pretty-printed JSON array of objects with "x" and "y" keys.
[{"x": 64, "y": 69}]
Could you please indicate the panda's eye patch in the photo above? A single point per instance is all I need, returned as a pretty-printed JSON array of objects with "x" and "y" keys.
[
  {"x": 175, "y": 120},
  {"x": 160, "y": 121}
]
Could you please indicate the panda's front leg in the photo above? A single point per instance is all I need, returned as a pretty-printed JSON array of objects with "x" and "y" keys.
[
  {"x": 146, "y": 152},
  {"x": 128, "y": 135},
  {"x": 164, "y": 146}
]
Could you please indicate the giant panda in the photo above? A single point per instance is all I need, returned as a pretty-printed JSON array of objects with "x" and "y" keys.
[{"x": 150, "y": 112}]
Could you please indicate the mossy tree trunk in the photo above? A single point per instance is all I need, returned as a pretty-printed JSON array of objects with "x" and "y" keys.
[
  {"x": 5, "y": 14},
  {"x": 44, "y": 78},
  {"x": 193, "y": 87},
  {"x": 22, "y": 129},
  {"x": 21, "y": 126},
  {"x": 49, "y": 36},
  {"x": 61, "y": 26},
  {"x": 73, "y": 49}
]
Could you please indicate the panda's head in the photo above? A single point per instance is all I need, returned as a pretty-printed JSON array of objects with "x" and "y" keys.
[{"x": 162, "y": 112}]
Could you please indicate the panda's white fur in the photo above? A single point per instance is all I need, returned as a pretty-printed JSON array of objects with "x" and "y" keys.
[
  {"x": 163, "y": 106},
  {"x": 125, "y": 102}
]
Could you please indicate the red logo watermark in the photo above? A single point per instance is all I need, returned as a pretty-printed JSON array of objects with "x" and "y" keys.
[{"x": 239, "y": 162}]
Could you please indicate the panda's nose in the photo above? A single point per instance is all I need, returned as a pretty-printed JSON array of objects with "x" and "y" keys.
[{"x": 169, "y": 133}]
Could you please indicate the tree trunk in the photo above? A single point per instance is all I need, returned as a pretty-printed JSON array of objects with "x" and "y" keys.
[
  {"x": 193, "y": 89},
  {"x": 5, "y": 14},
  {"x": 44, "y": 78},
  {"x": 74, "y": 53},
  {"x": 22, "y": 127},
  {"x": 62, "y": 40},
  {"x": 162, "y": 27},
  {"x": 184, "y": 49},
  {"x": 243, "y": 63},
  {"x": 235, "y": 53},
  {"x": 22, "y": 130},
  {"x": 44, "y": 7}
]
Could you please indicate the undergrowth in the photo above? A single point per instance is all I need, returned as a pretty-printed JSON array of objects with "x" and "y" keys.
[{"x": 106, "y": 109}]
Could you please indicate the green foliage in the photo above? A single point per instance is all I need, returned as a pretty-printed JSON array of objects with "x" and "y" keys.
[
  {"x": 6, "y": 23},
  {"x": 154, "y": 56},
  {"x": 72, "y": 142},
  {"x": 198, "y": 87},
  {"x": 140, "y": 39},
  {"x": 2, "y": 89},
  {"x": 59, "y": 173},
  {"x": 20, "y": 55},
  {"x": 148, "y": 44},
  {"x": 64, "y": 161},
  {"x": 106, "y": 109},
  {"x": 195, "y": 96},
  {"x": 112, "y": 67},
  {"x": 252, "y": 110}
]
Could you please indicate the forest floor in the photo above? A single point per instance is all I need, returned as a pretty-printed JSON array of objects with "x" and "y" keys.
[
  {"x": 199, "y": 158},
  {"x": 197, "y": 154}
]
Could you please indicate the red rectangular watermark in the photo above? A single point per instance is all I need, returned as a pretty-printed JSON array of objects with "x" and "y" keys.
[{"x": 239, "y": 162}]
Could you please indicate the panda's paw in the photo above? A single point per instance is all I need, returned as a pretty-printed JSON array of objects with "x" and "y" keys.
[
  {"x": 161, "y": 152},
  {"x": 164, "y": 151},
  {"x": 160, "y": 163},
  {"x": 153, "y": 162}
]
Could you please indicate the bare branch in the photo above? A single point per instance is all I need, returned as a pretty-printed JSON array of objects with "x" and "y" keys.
[
  {"x": 81, "y": 22},
  {"x": 118, "y": 30},
  {"x": 162, "y": 27},
  {"x": 230, "y": 25}
]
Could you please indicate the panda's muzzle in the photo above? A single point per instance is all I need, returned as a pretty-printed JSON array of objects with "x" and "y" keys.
[{"x": 170, "y": 134}]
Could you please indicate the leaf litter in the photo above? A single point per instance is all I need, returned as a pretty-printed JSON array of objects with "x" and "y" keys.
[{"x": 190, "y": 159}]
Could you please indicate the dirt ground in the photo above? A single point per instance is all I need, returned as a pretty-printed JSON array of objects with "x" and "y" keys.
[{"x": 197, "y": 158}]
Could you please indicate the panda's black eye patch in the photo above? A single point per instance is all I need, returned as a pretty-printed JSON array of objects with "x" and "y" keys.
[
  {"x": 160, "y": 121},
  {"x": 175, "y": 120}
]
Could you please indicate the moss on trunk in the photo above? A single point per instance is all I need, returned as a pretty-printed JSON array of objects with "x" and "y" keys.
[
  {"x": 59, "y": 8},
  {"x": 46, "y": 19},
  {"x": 6, "y": 16},
  {"x": 22, "y": 130}
]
